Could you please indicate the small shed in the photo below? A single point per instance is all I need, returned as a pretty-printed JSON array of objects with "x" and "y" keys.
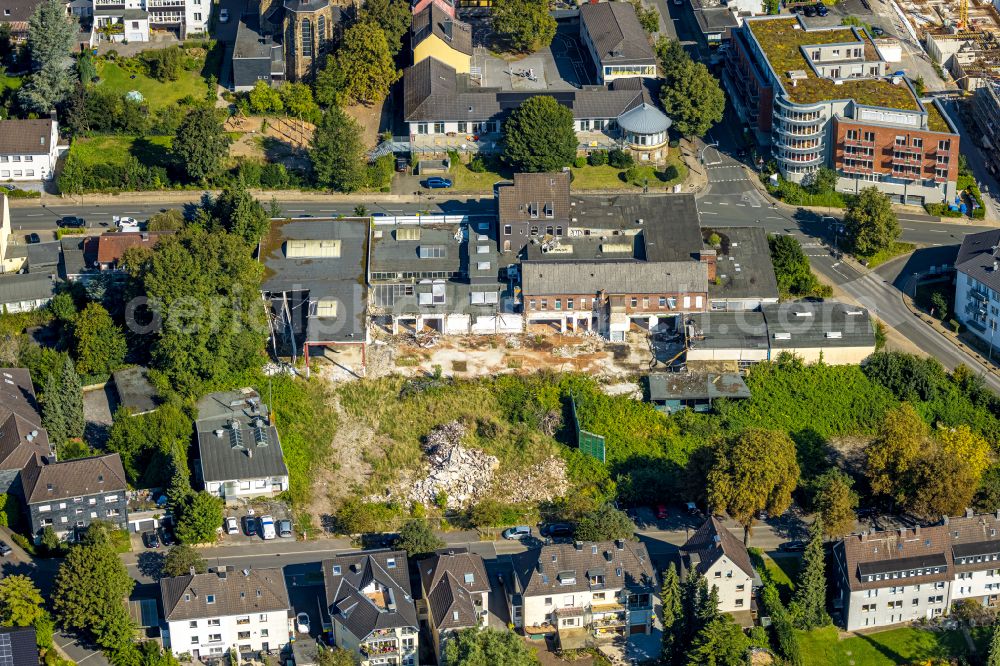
[
  {"x": 135, "y": 392},
  {"x": 670, "y": 392}
]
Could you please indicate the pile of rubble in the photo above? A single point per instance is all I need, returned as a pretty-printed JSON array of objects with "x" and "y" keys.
[
  {"x": 541, "y": 482},
  {"x": 464, "y": 475}
]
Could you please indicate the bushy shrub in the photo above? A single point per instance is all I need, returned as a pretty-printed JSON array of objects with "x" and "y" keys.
[
  {"x": 598, "y": 158},
  {"x": 619, "y": 159},
  {"x": 580, "y": 162},
  {"x": 477, "y": 164}
]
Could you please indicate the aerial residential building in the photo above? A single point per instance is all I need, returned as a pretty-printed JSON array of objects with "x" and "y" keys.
[
  {"x": 583, "y": 592},
  {"x": 825, "y": 97},
  {"x": 895, "y": 576},
  {"x": 132, "y": 20},
  {"x": 68, "y": 496},
  {"x": 986, "y": 111},
  {"x": 22, "y": 436},
  {"x": 744, "y": 274},
  {"x": 436, "y": 33},
  {"x": 456, "y": 590},
  {"x": 617, "y": 43},
  {"x": 209, "y": 614},
  {"x": 977, "y": 285},
  {"x": 256, "y": 56},
  {"x": 371, "y": 608},
  {"x": 239, "y": 453},
  {"x": 723, "y": 560},
  {"x": 28, "y": 149},
  {"x": 112, "y": 245}
]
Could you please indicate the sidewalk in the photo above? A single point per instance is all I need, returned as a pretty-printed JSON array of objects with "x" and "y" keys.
[{"x": 187, "y": 196}]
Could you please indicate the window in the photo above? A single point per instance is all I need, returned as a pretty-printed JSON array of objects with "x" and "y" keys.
[
  {"x": 944, "y": 145},
  {"x": 439, "y": 128},
  {"x": 569, "y": 303},
  {"x": 463, "y": 127},
  {"x": 193, "y": 624},
  {"x": 917, "y": 142},
  {"x": 483, "y": 265},
  {"x": 507, "y": 230},
  {"x": 45, "y": 507},
  {"x": 264, "y": 633},
  {"x": 634, "y": 302},
  {"x": 531, "y": 304},
  {"x": 307, "y": 47},
  {"x": 320, "y": 34},
  {"x": 262, "y": 617},
  {"x": 558, "y": 304},
  {"x": 739, "y": 603},
  {"x": 214, "y": 622},
  {"x": 242, "y": 635},
  {"x": 110, "y": 498},
  {"x": 663, "y": 301},
  {"x": 194, "y": 640},
  {"x": 900, "y": 140},
  {"x": 243, "y": 620},
  {"x": 421, "y": 128},
  {"x": 718, "y": 574},
  {"x": 548, "y": 601},
  {"x": 64, "y": 519},
  {"x": 210, "y": 599},
  {"x": 197, "y": 16},
  {"x": 217, "y": 638},
  {"x": 336, "y": 570},
  {"x": 92, "y": 501}
]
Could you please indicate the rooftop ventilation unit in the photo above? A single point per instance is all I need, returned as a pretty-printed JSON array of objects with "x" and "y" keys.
[
  {"x": 782, "y": 336},
  {"x": 834, "y": 335}
]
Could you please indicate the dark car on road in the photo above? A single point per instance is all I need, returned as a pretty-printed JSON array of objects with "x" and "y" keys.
[
  {"x": 437, "y": 183},
  {"x": 821, "y": 9},
  {"x": 556, "y": 530},
  {"x": 249, "y": 525},
  {"x": 34, "y": 238},
  {"x": 792, "y": 546},
  {"x": 71, "y": 222},
  {"x": 150, "y": 540},
  {"x": 877, "y": 31}
]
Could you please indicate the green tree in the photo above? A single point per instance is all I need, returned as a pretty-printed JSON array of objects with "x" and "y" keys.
[
  {"x": 987, "y": 498},
  {"x": 52, "y": 411},
  {"x": 525, "y": 25},
  {"x": 337, "y": 154},
  {"x": 835, "y": 501},
  {"x": 200, "y": 144},
  {"x": 940, "y": 303},
  {"x": 603, "y": 524},
  {"x": 821, "y": 181},
  {"x": 893, "y": 454},
  {"x": 671, "y": 611},
  {"x": 239, "y": 213},
  {"x": 265, "y": 99},
  {"x": 85, "y": 67},
  {"x": 994, "y": 655},
  {"x": 90, "y": 589},
  {"x": 335, "y": 656},
  {"x": 753, "y": 471},
  {"x": 786, "y": 641},
  {"x": 721, "y": 642},
  {"x": 99, "y": 343},
  {"x": 539, "y": 135},
  {"x": 393, "y": 16},
  {"x": 810, "y": 590},
  {"x": 417, "y": 538},
  {"x": 50, "y": 42},
  {"x": 870, "y": 223},
  {"x": 71, "y": 399},
  {"x": 948, "y": 472},
  {"x": 171, "y": 219},
  {"x": 362, "y": 69},
  {"x": 20, "y": 602},
  {"x": 198, "y": 515},
  {"x": 298, "y": 99},
  {"x": 151, "y": 445},
  {"x": 791, "y": 266},
  {"x": 691, "y": 96},
  {"x": 180, "y": 559},
  {"x": 488, "y": 647}
]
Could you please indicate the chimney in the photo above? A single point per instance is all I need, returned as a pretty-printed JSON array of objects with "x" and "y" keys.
[
  {"x": 969, "y": 512},
  {"x": 191, "y": 571},
  {"x": 944, "y": 520},
  {"x": 902, "y": 532},
  {"x": 864, "y": 535},
  {"x": 578, "y": 545},
  {"x": 708, "y": 257},
  {"x": 916, "y": 530}
]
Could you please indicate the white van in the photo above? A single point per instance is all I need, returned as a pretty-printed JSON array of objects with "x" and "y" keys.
[{"x": 267, "y": 530}]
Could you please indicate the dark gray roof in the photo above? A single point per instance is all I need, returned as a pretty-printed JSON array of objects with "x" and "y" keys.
[
  {"x": 25, "y": 287},
  {"x": 232, "y": 593},
  {"x": 386, "y": 297},
  {"x": 668, "y": 223},
  {"x": 976, "y": 258},
  {"x": 624, "y": 564},
  {"x": 22, "y": 436},
  {"x": 44, "y": 257},
  {"x": 370, "y": 590},
  {"x": 743, "y": 265},
  {"x": 255, "y": 56},
  {"x": 235, "y": 440},
  {"x": 615, "y": 31},
  {"x": 814, "y": 325},
  {"x": 450, "y": 605},
  {"x": 540, "y": 278},
  {"x": 43, "y": 481},
  {"x": 135, "y": 393},
  {"x": 433, "y": 20},
  {"x": 433, "y": 91},
  {"x": 712, "y": 541},
  {"x": 339, "y": 279},
  {"x": 18, "y": 647},
  {"x": 526, "y": 198},
  {"x": 728, "y": 330},
  {"x": 696, "y": 386},
  {"x": 15, "y": 11},
  {"x": 25, "y": 137},
  {"x": 306, "y": 5},
  {"x": 73, "y": 260},
  {"x": 447, "y": 579},
  {"x": 713, "y": 20},
  {"x": 902, "y": 564}
]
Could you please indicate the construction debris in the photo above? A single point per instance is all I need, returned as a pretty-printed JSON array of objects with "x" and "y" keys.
[
  {"x": 463, "y": 475},
  {"x": 541, "y": 482}
]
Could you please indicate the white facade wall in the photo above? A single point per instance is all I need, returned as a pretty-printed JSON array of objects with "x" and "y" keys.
[
  {"x": 734, "y": 585},
  {"x": 894, "y": 604},
  {"x": 215, "y": 636},
  {"x": 247, "y": 487},
  {"x": 967, "y": 308},
  {"x": 196, "y": 15},
  {"x": 462, "y": 129},
  {"x": 25, "y": 306},
  {"x": 405, "y": 638},
  {"x": 32, "y": 167}
]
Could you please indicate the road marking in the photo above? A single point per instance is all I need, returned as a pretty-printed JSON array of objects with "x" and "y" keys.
[
  {"x": 744, "y": 205},
  {"x": 938, "y": 231},
  {"x": 723, "y": 203},
  {"x": 938, "y": 244},
  {"x": 708, "y": 212},
  {"x": 296, "y": 210},
  {"x": 772, "y": 217},
  {"x": 35, "y": 214},
  {"x": 133, "y": 212}
]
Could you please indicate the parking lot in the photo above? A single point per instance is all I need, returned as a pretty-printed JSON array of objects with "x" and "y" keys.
[{"x": 255, "y": 509}]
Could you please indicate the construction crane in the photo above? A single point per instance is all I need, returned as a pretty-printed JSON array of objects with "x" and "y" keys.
[{"x": 963, "y": 14}]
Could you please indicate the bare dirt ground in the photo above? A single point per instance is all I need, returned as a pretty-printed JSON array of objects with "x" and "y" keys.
[{"x": 370, "y": 119}]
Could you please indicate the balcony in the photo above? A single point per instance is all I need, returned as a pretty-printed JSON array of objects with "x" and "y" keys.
[
  {"x": 858, "y": 169},
  {"x": 379, "y": 648},
  {"x": 799, "y": 132},
  {"x": 908, "y": 159},
  {"x": 802, "y": 148},
  {"x": 799, "y": 160},
  {"x": 907, "y": 149},
  {"x": 905, "y": 175},
  {"x": 859, "y": 143}
]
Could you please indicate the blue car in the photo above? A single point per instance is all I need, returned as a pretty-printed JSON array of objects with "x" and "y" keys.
[
  {"x": 437, "y": 183},
  {"x": 821, "y": 9}
]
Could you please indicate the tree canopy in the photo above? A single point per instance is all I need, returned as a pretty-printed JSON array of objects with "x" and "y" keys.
[
  {"x": 525, "y": 25},
  {"x": 151, "y": 445},
  {"x": 200, "y": 144},
  {"x": 337, "y": 153},
  {"x": 488, "y": 647},
  {"x": 181, "y": 559},
  {"x": 870, "y": 223},
  {"x": 691, "y": 96},
  {"x": 50, "y": 42},
  {"x": 393, "y": 16},
  {"x": 539, "y": 135},
  {"x": 90, "y": 590},
  {"x": 754, "y": 471},
  {"x": 835, "y": 501},
  {"x": 809, "y": 603},
  {"x": 417, "y": 538},
  {"x": 99, "y": 343},
  {"x": 20, "y": 602},
  {"x": 604, "y": 524},
  {"x": 198, "y": 516},
  {"x": 361, "y": 70}
]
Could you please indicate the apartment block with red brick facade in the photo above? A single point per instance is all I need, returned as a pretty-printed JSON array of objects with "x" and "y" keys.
[{"x": 826, "y": 97}]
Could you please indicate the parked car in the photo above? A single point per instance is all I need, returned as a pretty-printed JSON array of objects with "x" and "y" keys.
[
  {"x": 821, "y": 9},
  {"x": 249, "y": 525},
  {"x": 809, "y": 10},
  {"x": 302, "y": 623},
  {"x": 437, "y": 183},
  {"x": 556, "y": 530},
  {"x": 792, "y": 546},
  {"x": 71, "y": 222},
  {"x": 150, "y": 539},
  {"x": 285, "y": 529},
  {"x": 33, "y": 238},
  {"x": 166, "y": 536},
  {"x": 402, "y": 164},
  {"x": 231, "y": 526},
  {"x": 877, "y": 31},
  {"x": 5, "y": 550},
  {"x": 661, "y": 512},
  {"x": 267, "y": 531},
  {"x": 224, "y": 15},
  {"x": 519, "y": 532}
]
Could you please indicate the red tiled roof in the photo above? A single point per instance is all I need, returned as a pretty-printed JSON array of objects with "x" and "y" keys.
[{"x": 111, "y": 246}]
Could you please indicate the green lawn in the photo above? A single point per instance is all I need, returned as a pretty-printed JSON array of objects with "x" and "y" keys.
[
  {"x": 784, "y": 569},
  {"x": 821, "y": 647},
  {"x": 156, "y": 93},
  {"x": 465, "y": 180},
  {"x": 151, "y": 150},
  {"x": 897, "y": 249}
]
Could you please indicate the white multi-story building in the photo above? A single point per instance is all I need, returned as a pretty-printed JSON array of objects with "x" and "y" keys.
[
  {"x": 371, "y": 608},
  {"x": 209, "y": 614},
  {"x": 896, "y": 576},
  {"x": 118, "y": 20},
  {"x": 583, "y": 591},
  {"x": 977, "y": 285},
  {"x": 28, "y": 150},
  {"x": 723, "y": 560}
]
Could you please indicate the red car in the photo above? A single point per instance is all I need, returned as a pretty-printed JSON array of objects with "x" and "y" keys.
[{"x": 661, "y": 512}]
